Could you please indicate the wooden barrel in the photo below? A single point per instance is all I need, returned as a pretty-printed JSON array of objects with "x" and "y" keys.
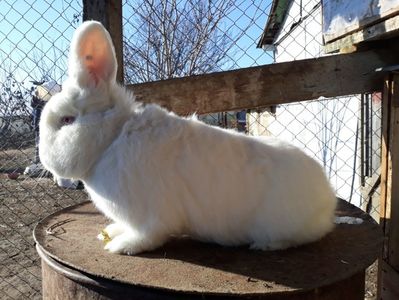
[{"x": 75, "y": 266}]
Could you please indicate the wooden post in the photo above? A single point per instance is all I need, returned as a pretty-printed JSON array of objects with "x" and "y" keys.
[
  {"x": 388, "y": 287},
  {"x": 109, "y": 13}
]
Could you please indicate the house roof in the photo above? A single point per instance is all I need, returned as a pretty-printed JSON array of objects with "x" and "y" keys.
[{"x": 275, "y": 22}]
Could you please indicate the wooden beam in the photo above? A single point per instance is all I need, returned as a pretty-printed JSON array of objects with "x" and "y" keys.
[
  {"x": 361, "y": 23},
  {"x": 393, "y": 254},
  {"x": 329, "y": 76},
  {"x": 109, "y": 13},
  {"x": 385, "y": 210},
  {"x": 390, "y": 278},
  {"x": 379, "y": 30},
  {"x": 390, "y": 187}
]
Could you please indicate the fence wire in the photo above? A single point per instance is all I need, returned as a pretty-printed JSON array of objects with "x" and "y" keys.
[{"x": 165, "y": 39}]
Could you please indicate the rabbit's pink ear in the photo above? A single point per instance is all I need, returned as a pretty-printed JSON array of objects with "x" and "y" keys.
[{"x": 92, "y": 55}]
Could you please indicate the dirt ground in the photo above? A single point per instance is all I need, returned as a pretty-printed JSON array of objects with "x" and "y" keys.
[
  {"x": 23, "y": 202},
  {"x": 370, "y": 292}
]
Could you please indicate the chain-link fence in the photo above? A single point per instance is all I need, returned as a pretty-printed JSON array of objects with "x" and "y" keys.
[{"x": 166, "y": 39}]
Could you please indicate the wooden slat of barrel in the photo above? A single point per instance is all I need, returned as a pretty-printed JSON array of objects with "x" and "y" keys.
[{"x": 183, "y": 266}]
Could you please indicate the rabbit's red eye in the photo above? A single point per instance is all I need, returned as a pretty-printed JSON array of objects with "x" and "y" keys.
[{"x": 67, "y": 120}]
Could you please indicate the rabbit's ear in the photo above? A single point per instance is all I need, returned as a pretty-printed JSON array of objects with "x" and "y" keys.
[{"x": 92, "y": 55}]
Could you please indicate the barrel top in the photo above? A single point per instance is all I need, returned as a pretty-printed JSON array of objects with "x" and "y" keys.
[{"x": 183, "y": 265}]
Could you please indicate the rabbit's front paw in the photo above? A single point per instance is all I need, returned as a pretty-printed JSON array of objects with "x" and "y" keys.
[
  {"x": 109, "y": 232},
  {"x": 125, "y": 243},
  {"x": 131, "y": 244}
]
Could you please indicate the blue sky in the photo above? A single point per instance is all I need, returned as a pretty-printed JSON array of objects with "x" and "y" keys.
[
  {"x": 38, "y": 33},
  {"x": 35, "y": 31},
  {"x": 251, "y": 16}
]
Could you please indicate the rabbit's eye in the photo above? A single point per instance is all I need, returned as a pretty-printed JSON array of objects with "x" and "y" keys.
[{"x": 67, "y": 120}]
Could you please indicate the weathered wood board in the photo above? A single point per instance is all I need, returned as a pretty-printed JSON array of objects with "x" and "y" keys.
[
  {"x": 273, "y": 84},
  {"x": 381, "y": 30},
  {"x": 389, "y": 263},
  {"x": 341, "y": 17}
]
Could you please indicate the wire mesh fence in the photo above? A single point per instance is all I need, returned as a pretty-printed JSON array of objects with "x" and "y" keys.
[{"x": 165, "y": 39}]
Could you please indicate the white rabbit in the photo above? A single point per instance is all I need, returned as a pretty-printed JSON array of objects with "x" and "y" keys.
[{"x": 156, "y": 174}]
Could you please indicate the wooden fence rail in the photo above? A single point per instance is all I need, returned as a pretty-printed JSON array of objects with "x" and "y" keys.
[{"x": 262, "y": 86}]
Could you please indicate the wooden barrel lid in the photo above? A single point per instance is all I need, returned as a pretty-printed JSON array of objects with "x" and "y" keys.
[{"x": 183, "y": 265}]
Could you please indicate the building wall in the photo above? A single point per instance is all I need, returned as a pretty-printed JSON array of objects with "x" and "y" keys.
[
  {"x": 305, "y": 39},
  {"x": 326, "y": 130}
]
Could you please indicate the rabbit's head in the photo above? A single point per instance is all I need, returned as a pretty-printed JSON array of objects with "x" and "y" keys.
[{"x": 81, "y": 121}]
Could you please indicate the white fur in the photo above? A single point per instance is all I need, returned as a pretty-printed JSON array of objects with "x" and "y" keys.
[{"x": 156, "y": 174}]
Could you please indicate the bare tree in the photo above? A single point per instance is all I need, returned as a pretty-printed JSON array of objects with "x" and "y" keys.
[
  {"x": 13, "y": 95},
  {"x": 15, "y": 111},
  {"x": 176, "y": 38},
  {"x": 50, "y": 65},
  {"x": 17, "y": 108}
]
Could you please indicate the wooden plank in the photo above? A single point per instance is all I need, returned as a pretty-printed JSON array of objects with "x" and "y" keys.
[
  {"x": 380, "y": 30},
  {"x": 389, "y": 186},
  {"x": 384, "y": 204},
  {"x": 109, "y": 13},
  {"x": 385, "y": 210},
  {"x": 393, "y": 255},
  {"x": 386, "y": 104},
  {"x": 390, "y": 280},
  {"x": 262, "y": 86},
  {"x": 344, "y": 17}
]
